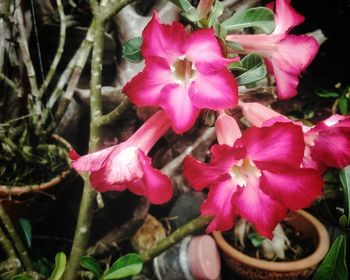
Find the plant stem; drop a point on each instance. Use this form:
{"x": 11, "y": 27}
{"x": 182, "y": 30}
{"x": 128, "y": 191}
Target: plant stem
{"x": 23, "y": 45}
{"x": 11, "y": 84}
{"x": 23, "y": 254}
{"x": 6, "y": 245}
{"x": 59, "y": 50}
{"x": 175, "y": 237}
{"x": 82, "y": 231}
{"x": 115, "y": 114}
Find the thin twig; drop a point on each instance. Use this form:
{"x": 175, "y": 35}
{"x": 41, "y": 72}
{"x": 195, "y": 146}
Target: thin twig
{"x": 6, "y": 245}
{"x": 115, "y": 114}
{"x": 22, "y": 41}
{"x": 175, "y": 237}
{"x": 23, "y": 254}
{"x": 59, "y": 50}
{"x": 171, "y": 167}
{"x": 15, "y": 87}
{"x": 71, "y": 74}
{"x": 114, "y": 7}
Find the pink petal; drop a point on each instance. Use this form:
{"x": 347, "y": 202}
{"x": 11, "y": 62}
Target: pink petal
{"x": 216, "y": 90}
{"x": 93, "y": 161}
{"x": 154, "y": 185}
{"x": 296, "y": 189}
{"x": 227, "y": 130}
{"x": 203, "y": 47}
{"x": 257, "y": 113}
{"x": 98, "y": 182}
{"x": 145, "y": 87}
{"x": 286, "y": 83}
{"x": 201, "y": 175}
{"x": 275, "y": 148}
{"x": 295, "y": 52}
{"x": 332, "y": 147}
{"x": 261, "y": 210}
{"x": 286, "y": 17}
{"x": 178, "y": 106}
{"x": 163, "y": 40}
{"x": 219, "y": 205}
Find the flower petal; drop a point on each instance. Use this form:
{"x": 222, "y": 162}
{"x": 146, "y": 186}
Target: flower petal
{"x": 286, "y": 17}
{"x": 296, "y": 189}
{"x": 145, "y": 87}
{"x": 163, "y": 40}
{"x": 257, "y": 113}
{"x": 201, "y": 175}
{"x": 178, "y": 106}
{"x": 227, "y": 130}
{"x": 216, "y": 90}
{"x": 332, "y": 147}
{"x": 154, "y": 185}
{"x": 98, "y": 182}
{"x": 219, "y": 205}
{"x": 275, "y": 148}
{"x": 203, "y": 47}
{"x": 261, "y": 210}
{"x": 93, "y": 161}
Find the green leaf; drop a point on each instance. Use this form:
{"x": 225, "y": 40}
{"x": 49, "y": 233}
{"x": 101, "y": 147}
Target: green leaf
{"x": 334, "y": 265}
{"x": 21, "y": 277}
{"x": 132, "y": 50}
{"x": 236, "y": 66}
{"x": 256, "y": 69}
{"x": 27, "y": 231}
{"x": 234, "y": 45}
{"x": 343, "y": 105}
{"x": 130, "y": 264}
{"x": 345, "y": 180}
{"x": 256, "y": 239}
{"x": 92, "y": 265}
{"x": 188, "y": 11}
{"x": 60, "y": 266}
{"x": 260, "y": 17}
{"x": 216, "y": 12}
{"x": 327, "y": 94}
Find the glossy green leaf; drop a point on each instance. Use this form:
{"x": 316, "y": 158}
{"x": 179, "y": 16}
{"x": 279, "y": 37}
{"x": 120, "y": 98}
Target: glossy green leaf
{"x": 27, "y": 231}
{"x": 132, "y": 50}
{"x": 128, "y": 265}
{"x": 92, "y": 265}
{"x": 256, "y": 239}
{"x": 343, "y": 105}
{"x": 345, "y": 180}
{"x": 334, "y": 265}
{"x": 260, "y": 17}
{"x": 256, "y": 69}
{"x": 215, "y": 13}
{"x": 60, "y": 266}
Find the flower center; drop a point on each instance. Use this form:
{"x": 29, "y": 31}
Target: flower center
{"x": 184, "y": 71}
{"x": 244, "y": 171}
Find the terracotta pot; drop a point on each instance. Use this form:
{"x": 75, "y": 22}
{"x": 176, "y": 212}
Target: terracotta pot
{"x": 9, "y": 191}
{"x": 252, "y": 268}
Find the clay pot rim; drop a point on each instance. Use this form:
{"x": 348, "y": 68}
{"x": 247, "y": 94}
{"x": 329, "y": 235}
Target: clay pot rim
{"x": 312, "y": 260}
{"x": 19, "y": 190}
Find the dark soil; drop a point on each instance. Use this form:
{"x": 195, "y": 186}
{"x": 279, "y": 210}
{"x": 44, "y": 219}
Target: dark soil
{"x": 300, "y": 247}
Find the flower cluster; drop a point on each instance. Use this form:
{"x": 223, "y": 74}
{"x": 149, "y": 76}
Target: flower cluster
{"x": 274, "y": 166}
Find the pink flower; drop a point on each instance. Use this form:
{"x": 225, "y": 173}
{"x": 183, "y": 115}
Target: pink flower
{"x": 127, "y": 166}
{"x": 258, "y": 177}
{"x": 184, "y": 73}
{"x": 327, "y": 144}
{"x": 286, "y": 55}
